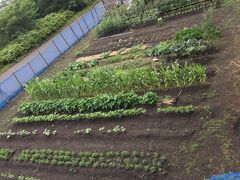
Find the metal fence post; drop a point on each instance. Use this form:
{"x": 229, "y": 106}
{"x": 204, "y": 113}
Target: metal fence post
{"x": 86, "y": 24}
{"x": 35, "y": 75}
{"x": 56, "y": 47}
{"x": 80, "y": 28}
{"x": 64, "y": 39}
{"x": 93, "y": 18}
{"x": 17, "y": 79}
{"x": 43, "y": 58}
{"x": 96, "y": 14}
{"x": 73, "y": 32}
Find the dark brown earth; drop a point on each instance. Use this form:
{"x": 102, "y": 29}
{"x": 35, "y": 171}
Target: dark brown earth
{"x": 197, "y": 146}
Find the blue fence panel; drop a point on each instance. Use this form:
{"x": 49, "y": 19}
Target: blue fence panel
{"x": 100, "y": 10}
{"x": 230, "y": 176}
{"x": 69, "y": 36}
{"x": 3, "y": 103}
{"x": 60, "y": 43}
{"x": 25, "y": 74}
{"x": 89, "y": 20}
{"x": 10, "y": 87}
{"x": 94, "y": 13}
{"x": 77, "y": 30}
{"x": 83, "y": 25}
{"x": 38, "y": 65}
{"x": 51, "y": 53}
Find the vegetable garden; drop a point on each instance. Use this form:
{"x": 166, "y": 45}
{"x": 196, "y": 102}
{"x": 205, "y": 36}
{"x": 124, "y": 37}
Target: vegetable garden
{"x": 129, "y": 113}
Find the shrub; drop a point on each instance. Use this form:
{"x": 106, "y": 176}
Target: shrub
{"x": 25, "y": 42}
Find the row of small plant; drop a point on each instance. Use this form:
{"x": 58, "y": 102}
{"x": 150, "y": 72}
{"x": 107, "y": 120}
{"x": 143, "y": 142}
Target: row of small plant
{"x": 143, "y": 12}
{"x": 142, "y": 161}
{"x": 5, "y": 154}
{"x": 190, "y": 8}
{"x": 24, "y": 133}
{"x": 108, "y": 80}
{"x": 82, "y": 65}
{"x": 176, "y": 109}
{"x": 90, "y": 116}
{"x": 187, "y": 42}
{"x": 103, "y": 102}
{"x": 102, "y": 130}
{"x": 14, "y": 177}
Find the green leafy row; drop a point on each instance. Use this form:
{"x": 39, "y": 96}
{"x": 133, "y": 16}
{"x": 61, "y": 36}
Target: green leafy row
{"x": 97, "y": 115}
{"x": 108, "y": 80}
{"x": 149, "y": 162}
{"x": 5, "y": 154}
{"x": 103, "y": 102}
{"x": 176, "y": 109}
{"x": 186, "y": 42}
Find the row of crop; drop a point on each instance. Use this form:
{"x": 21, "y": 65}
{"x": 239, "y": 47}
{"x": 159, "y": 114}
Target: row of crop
{"x": 190, "y": 8}
{"x": 149, "y": 162}
{"x": 187, "y": 42}
{"x": 23, "y": 133}
{"x": 14, "y": 177}
{"x": 103, "y": 81}
{"x": 5, "y": 154}
{"x": 49, "y": 132}
{"x": 90, "y": 116}
{"x": 103, "y": 115}
{"x": 103, "y": 102}
{"x": 142, "y": 12}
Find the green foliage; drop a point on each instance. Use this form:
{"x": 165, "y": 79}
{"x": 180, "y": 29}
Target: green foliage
{"x": 176, "y": 110}
{"x": 46, "y": 7}
{"x": 25, "y": 42}
{"x": 187, "y": 42}
{"x": 143, "y": 12}
{"x": 81, "y": 65}
{"x": 103, "y": 81}
{"x": 16, "y": 18}
{"x": 5, "y": 154}
{"x": 97, "y": 115}
{"x": 147, "y": 162}
{"x": 102, "y": 102}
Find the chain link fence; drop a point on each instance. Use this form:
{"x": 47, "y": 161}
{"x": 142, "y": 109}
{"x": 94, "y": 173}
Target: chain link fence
{"x": 59, "y": 44}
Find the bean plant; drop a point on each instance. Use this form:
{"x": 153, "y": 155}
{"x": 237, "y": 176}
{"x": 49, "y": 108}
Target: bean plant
{"x": 103, "y": 102}
{"x": 97, "y": 115}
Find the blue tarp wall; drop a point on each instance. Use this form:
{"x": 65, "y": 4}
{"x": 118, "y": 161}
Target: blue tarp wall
{"x": 61, "y": 43}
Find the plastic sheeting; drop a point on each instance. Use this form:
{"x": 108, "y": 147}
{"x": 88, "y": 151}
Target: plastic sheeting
{"x": 59, "y": 44}
{"x": 230, "y": 176}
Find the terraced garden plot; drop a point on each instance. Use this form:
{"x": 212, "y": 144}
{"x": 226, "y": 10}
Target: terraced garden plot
{"x": 187, "y": 125}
